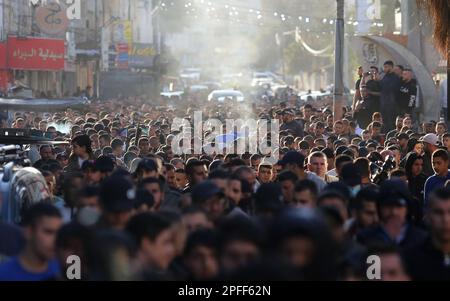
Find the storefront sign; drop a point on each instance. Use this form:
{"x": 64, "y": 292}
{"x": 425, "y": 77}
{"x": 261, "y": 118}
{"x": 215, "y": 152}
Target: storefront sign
{"x": 3, "y": 56}
{"x": 72, "y": 8}
{"x": 52, "y": 19}
{"x": 35, "y": 54}
{"x": 142, "y": 55}
{"x": 122, "y": 59}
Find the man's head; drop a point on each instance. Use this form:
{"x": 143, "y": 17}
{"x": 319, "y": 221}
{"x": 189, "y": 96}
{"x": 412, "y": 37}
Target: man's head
{"x": 265, "y": 173}
{"x": 180, "y": 178}
{"x": 292, "y": 161}
{"x": 305, "y": 194}
{"x": 195, "y": 219}
{"x": 196, "y": 172}
{"x": 398, "y": 70}
{"x": 407, "y": 75}
{"x": 200, "y": 255}
{"x": 144, "y": 145}
{"x": 319, "y": 129}
{"x": 318, "y": 164}
{"x": 287, "y": 180}
{"x": 288, "y": 115}
{"x": 399, "y": 122}
{"x": 307, "y": 111}
{"x": 41, "y": 223}
{"x": 239, "y": 243}
{"x": 233, "y": 189}
{"x": 104, "y": 140}
{"x": 117, "y": 147}
{"x": 376, "y": 128}
{"x": 338, "y": 128}
{"x": 440, "y": 162}
{"x": 392, "y": 265}
{"x": 154, "y": 237}
{"x": 393, "y": 203}
{"x": 388, "y": 67}
{"x": 46, "y": 152}
{"x": 156, "y": 188}
{"x": 430, "y": 142}
{"x": 210, "y": 197}
{"x": 147, "y": 168}
{"x": 438, "y": 215}
{"x": 441, "y": 128}
{"x": 365, "y": 207}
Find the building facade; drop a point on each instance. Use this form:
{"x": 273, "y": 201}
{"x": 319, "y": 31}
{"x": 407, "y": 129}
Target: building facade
{"x": 75, "y": 32}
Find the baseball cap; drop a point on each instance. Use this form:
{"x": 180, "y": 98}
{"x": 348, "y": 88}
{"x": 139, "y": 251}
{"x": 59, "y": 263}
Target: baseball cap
{"x": 430, "y": 139}
{"x": 292, "y": 157}
{"x": 117, "y": 194}
{"x": 204, "y": 191}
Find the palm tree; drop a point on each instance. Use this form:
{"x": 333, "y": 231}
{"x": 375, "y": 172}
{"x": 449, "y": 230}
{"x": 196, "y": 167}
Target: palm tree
{"x": 439, "y": 11}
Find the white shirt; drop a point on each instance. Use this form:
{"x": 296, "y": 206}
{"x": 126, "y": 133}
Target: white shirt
{"x": 332, "y": 173}
{"x": 80, "y": 162}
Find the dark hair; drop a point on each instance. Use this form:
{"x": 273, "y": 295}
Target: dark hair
{"x": 83, "y": 141}
{"x": 238, "y": 229}
{"x": 307, "y": 185}
{"x": 389, "y": 63}
{"x": 440, "y": 153}
{"x": 116, "y": 143}
{"x": 191, "y": 164}
{"x": 442, "y": 194}
{"x": 146, "y": 225}
{"x": 33, "y": 214}
{"x": 398, "y": 173}
{"x": 151, "y": 181}
{"x": 287, "y": 176}
{"x": 363, "y": 164}
{"x": 367, "y": 194}
{"x": 218, "y": 174}
{"x": 204, "y": 238}
{"x": 341, "y": 159}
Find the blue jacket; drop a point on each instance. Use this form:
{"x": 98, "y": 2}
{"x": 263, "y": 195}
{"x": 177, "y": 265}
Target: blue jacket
{"x": 433, "y": 183}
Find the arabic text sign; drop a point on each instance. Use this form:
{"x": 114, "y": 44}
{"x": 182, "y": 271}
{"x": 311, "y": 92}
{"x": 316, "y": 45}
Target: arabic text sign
{"x": 36, "y": 54}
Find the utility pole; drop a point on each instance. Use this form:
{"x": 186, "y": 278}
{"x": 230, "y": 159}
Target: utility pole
{"x": 339, "y": 63}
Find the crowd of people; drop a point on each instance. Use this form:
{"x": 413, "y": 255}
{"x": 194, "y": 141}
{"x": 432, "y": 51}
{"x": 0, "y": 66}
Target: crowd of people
{"x": 131, "y": 208}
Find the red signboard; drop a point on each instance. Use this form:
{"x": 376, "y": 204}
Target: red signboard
{"x": 35, "y": 54}
{"x": 2, "y": 55}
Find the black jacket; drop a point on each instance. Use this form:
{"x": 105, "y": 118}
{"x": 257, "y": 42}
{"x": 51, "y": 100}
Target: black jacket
{"x": 377, "y": 234}
{"x": 426, "y": 263}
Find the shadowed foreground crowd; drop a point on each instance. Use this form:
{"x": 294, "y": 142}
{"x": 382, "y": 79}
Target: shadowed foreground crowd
{"x": 131, "y": 209}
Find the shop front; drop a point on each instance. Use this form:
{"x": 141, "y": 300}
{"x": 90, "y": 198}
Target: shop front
{"x": 35, "y": 62}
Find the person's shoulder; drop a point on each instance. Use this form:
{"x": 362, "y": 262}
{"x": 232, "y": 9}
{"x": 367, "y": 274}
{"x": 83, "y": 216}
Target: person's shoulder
{"x": 8, "y": 268}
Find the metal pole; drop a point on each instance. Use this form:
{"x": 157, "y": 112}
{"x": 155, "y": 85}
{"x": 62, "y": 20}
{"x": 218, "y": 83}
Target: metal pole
{"x": 339, "y": 63}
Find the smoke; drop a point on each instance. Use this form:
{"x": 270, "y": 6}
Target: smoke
{"x": 62, "y": 127}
